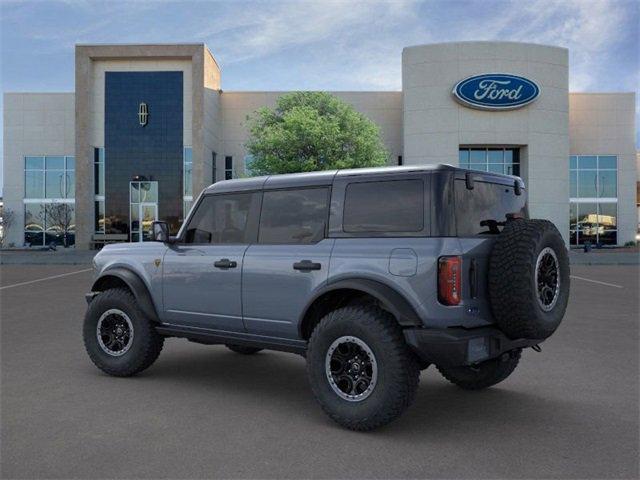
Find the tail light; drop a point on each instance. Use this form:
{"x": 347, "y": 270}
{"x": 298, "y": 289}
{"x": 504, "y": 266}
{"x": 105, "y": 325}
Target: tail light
{"x": 449, "y": 280}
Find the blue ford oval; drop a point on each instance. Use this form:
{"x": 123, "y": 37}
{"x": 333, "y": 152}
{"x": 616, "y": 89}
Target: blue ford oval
{"x": 496, "y": 91}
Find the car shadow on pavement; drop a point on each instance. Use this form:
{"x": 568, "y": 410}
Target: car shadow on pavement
{"x": 439, "y": 406}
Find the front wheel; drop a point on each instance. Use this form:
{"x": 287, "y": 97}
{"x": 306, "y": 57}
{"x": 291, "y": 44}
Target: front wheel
{"x": 118, "y": 337}
{"x": 483, "y": 375}
{"x": 360, "y": 369}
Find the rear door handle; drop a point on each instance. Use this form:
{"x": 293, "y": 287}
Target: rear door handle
{"x": 306, "y": 265}
{"x": 225, "y": 263}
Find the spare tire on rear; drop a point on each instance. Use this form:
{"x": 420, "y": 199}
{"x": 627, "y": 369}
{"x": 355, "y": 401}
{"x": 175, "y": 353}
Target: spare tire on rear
{"x": 529, "y": 279}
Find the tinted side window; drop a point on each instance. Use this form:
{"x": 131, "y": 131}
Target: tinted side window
{"x": 477, "y": 210}
{"x": 294, "y": 216}
{"x": 221, "y": 219}
{"x": 388, "y": 206}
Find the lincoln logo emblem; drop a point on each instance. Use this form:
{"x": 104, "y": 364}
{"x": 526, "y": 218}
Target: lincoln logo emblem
{"x": 143, "y": 114}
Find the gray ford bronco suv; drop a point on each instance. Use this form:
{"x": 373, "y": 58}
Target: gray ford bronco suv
{"x": 371, "y": 274}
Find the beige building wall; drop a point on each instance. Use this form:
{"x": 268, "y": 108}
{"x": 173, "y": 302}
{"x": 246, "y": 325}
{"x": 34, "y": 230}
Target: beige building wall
{"x": 383, "y": 108}
{"x": 436, "y": 125}
{"x": 206, "y": 138}
{"x": 604, "y": 124}
{"x": 34, "y": 124}
{"x": 212, "y": 139}
{"x": 200, "y": 71}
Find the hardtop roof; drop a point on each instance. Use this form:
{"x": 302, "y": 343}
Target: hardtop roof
{"x": 326, "y": 177}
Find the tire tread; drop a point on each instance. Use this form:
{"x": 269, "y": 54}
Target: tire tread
{"x": 405, "y": 370}
{"x": 152, "y": 342}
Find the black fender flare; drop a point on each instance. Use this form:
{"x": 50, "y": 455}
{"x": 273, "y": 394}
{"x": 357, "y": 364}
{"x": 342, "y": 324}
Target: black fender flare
{"x": 393, "y": 301}
{"x": 135, "y": 284}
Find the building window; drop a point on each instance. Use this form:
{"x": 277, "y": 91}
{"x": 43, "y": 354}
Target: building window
{"x": 49, "y": 199}
{"x": 248, "y": 160}
{"x": 187, "y": 184}
{"x": 593, "y": 187}
{"x": 186, "y": 208}
{"x": 187, "y": 158}
{"x": 496, "y": 160}
{"x": 50, "y": 177}
{"x": 228, "y": 167}
{"x": 98, "y": 188}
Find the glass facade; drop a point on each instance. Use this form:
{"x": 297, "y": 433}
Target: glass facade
{"x": 49, "y": 200}
{"x": 143, "y": 209}
{"x": 149, "y": 150}
{"x": 593, "y": 187}
{"x": 98, "y": 182}
{"x": 187, "y": 187}
{"x": 497, "y": 160}
{"x": 188, "y": 172}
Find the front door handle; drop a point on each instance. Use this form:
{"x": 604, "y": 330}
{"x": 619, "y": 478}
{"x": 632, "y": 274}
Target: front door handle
{"x": 225, "y": 263}
{"x": 306, "y": 265}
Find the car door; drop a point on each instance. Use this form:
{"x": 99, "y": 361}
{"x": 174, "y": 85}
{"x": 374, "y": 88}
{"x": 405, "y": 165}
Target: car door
{"x": 290, "y": 260}
{"x": 202, "y": 272}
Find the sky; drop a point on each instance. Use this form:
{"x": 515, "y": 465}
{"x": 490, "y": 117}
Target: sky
{"x": 321, "y": 45}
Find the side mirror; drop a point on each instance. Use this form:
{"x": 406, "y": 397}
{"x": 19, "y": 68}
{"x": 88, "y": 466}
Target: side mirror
{"x": 160, "y": 232}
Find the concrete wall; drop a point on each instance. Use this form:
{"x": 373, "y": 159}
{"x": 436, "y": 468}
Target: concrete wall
{"x": 384, "y": 108}
{"x": 604, "y": 124}
{"x": 212, "y": 125}
{"x": 34, "y": 124}
{"x": 435, "y": 125}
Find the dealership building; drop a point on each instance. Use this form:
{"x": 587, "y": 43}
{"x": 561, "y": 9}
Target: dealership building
{"x": 148, "y": 127}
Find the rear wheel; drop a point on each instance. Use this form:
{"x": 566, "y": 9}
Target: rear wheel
{"x": 483, "y": 375}
{"x": 360, "y": 369}
{"x": 118, "y": 337}
{"x": 244, "y": 350}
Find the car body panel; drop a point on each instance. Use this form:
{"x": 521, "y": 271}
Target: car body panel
{"x": 142, "y": 258}
{"x": 264, "y": 298}
{"x": 196, "y": 293}
{"x": 273, "y": 293}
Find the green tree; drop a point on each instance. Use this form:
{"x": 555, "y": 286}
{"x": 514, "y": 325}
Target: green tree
{"x": 310, "y": 131}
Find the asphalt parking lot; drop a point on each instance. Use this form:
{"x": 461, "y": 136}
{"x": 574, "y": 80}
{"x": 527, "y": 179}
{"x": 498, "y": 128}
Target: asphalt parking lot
{"x": 201, "y": 411}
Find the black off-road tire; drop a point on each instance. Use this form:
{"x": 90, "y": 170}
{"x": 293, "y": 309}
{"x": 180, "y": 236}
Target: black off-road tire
{"x": 513, "y": 292}
{"x": 483, "y": 375}
{"x": 244, "y": 350}
{"x": 398, "y": 369}
{"x": 146, "y": 344}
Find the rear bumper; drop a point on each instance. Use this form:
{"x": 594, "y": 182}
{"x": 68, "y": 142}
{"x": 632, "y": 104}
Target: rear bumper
{"x": 452, "y": 347}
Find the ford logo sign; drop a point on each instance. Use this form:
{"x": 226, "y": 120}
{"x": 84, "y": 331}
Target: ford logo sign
{"x": 496, "y": 91}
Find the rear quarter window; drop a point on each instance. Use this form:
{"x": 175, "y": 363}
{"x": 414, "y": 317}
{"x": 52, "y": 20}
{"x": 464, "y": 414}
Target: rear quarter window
{"x": 481, "y": 210}
{"x": 384, "y": 206}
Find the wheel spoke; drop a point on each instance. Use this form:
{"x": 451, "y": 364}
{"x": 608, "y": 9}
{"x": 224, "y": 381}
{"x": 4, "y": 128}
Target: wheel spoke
{"x": 351, "y": 368}
{"x": 547, "y": 278}
{"x": 114, "y": 332}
